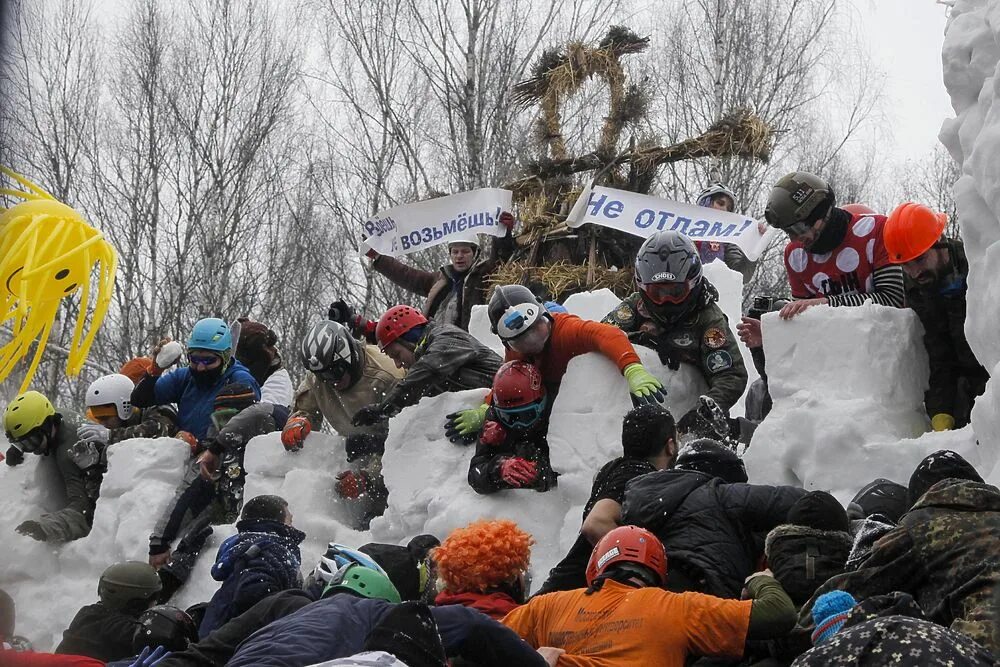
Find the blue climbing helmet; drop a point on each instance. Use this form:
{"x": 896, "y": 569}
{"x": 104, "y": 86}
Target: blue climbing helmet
{"x": 213, "y": 334}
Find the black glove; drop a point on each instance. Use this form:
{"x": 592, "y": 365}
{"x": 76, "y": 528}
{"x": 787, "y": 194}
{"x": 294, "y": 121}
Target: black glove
{"x": 664, "y": 352}
{"x": 341, "y": 312}
{"x": 364, "y": 444}
{"x": 32, "y": 529}
{"x": 706, "y": 420}
{"x": 368, "y": 415}
{"x": 14, "y": 456}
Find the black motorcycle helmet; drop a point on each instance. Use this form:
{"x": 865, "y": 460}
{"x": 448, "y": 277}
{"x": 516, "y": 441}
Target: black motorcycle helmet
{"x": 164, "y": 625}
{"x": 668, "y": 275}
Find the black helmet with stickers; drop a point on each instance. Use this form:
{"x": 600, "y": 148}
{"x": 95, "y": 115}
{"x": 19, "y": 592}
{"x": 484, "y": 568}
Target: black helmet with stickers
{"x": 797, "y": 201}
{"x": 513, "y": 309}
{"x": 668, "y": 274}
{"x": 331, "y": 352}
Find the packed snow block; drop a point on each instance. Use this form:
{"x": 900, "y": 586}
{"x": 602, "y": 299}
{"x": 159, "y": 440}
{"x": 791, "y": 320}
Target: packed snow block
{"x": 592, "y": 305}
{"x": 848, "y": 387}
{"x": 306, "y": 479}
{"x": 427, "y": 476}
{"x": 479, "y": 326}
{"x": 141, "y": 479}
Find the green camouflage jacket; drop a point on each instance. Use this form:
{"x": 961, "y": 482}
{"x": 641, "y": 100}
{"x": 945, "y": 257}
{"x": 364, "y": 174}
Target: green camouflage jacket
{"x": 702, "y": 339}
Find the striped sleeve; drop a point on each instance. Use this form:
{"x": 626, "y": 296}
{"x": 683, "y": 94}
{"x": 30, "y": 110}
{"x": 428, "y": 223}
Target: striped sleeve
{"x": 888, "y": 289}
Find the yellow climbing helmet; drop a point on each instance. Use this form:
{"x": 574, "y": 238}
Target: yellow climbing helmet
{"x": 26, "y": 413}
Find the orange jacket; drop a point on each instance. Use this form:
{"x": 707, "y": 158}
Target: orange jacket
{"x": 570, "y": 337}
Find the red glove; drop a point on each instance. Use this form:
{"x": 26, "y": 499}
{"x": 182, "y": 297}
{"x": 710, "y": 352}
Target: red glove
{"x": 293, "y": 436}
{"x": 189, "y": 439}
{"x": 371, "y": 254}
{"x": 351, "y": 484}
{"x": 492, "y": 434}
{"x": 507, "y": 220}
{"x": 518, "y": 472}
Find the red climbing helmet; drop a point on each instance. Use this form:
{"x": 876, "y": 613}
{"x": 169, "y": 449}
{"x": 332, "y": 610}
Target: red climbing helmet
{"x": 628, "y": 544}
{"x": 517, "y": 383}
{"x": 395, "y": 322}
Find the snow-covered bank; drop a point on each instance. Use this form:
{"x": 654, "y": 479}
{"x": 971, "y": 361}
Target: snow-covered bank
{"x": 970, "y": 58}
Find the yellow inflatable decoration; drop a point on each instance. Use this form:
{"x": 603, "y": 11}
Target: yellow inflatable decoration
{"x": 48, "y": 252}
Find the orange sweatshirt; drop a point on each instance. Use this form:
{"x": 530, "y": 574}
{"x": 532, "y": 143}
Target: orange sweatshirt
{"x": 570, "y": 337}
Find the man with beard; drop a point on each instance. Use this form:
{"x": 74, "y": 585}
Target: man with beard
{"x": 833, "y": 257}
{"x": 937, "y": 272}
{"x": 211, "y": 366}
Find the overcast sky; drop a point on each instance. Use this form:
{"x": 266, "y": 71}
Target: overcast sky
{"x": 905, "y": 38}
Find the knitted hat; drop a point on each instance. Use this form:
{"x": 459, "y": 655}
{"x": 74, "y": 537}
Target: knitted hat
{"x": 135, "y": 369}
{"x": 269, "y": 508}
{"x": 882, "y": 496}
{"x": 482, "y": 555}
{"x": 942, "y": 464}
{"x": 829, "y": 614}
{"x": 646, "y": 429}
{"x": 819, "y": 510}
{"x": 410, "y": 633}
{"x": 235, "y": 395}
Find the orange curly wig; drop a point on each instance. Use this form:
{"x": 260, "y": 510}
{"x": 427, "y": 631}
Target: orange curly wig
{"x": 482, "y": 555}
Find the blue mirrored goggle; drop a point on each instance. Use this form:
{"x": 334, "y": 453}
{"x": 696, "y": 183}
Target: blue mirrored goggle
{"x": 522, "y": 416}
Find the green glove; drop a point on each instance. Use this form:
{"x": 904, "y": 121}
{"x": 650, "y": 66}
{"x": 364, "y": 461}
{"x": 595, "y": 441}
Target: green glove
{"x": 643, "y": 387}
{"x": 466, "y": 422}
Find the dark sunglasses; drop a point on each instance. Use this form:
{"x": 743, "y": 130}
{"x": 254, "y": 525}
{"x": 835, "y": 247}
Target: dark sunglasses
{"x": 203, "y": 359}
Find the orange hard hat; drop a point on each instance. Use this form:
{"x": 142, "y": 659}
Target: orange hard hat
{"x": 395, "y": 322}
{"x": 858, "y": 209}
{"x": 911, "y": 230}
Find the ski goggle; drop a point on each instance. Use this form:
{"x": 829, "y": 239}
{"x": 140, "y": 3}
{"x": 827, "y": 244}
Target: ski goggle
{"x": 30, "y": 443}
{"x": 660, "y": 293}
{"x": 798, "y": 229}
{"x": 523, "y": 416}
{"x": 96, "y": 413}
{"x": 203, "y": 359}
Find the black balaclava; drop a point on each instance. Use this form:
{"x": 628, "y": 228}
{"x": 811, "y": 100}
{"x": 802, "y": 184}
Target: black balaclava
{"x": 833, "y": 232}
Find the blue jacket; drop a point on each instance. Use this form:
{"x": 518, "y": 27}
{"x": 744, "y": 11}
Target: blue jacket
{"x": 263, "y": 558}
{"x": 338, "y": 626}
{"x": 194, "y": 404}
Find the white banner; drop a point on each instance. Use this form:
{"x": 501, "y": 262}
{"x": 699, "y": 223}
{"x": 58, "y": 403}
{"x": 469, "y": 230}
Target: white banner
{"x": 411, "y": 227}
{"x": 641, "y": 215}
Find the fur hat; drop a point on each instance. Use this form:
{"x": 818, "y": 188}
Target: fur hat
{"x": 257, "y": 342}
{"x": 482, "y": 555}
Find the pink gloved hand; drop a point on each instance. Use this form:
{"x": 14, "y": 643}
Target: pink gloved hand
{"x": 493, "y": 434}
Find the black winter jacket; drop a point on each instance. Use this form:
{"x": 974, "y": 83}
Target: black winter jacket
{"x": 707, "y": 526}
{"x": 99, "y": 632}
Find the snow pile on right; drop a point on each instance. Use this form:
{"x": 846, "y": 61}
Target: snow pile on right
{"x": 970, "y": 57}
{"x": 848, "y": 386}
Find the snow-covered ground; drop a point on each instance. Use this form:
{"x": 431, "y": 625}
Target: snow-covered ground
{"x": 847, "y": 386}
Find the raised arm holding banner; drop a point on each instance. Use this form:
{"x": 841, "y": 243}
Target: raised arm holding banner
{"x": 641, "y": 215}
{"x": 408, "y": 228}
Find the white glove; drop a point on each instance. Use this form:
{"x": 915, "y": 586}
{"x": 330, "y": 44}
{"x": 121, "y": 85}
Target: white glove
{"x": 93, "y": 433}
{"x": 169, "y": 354}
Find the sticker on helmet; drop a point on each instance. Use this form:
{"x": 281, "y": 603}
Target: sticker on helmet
{"x": 718, "y": 361}
{"x": 611, "y": 553}
{"x": 661, "y": 276}
{"x": 715, "y": 338}
{"x": 801, "y": 194}
{"x": 624, "y": 314}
